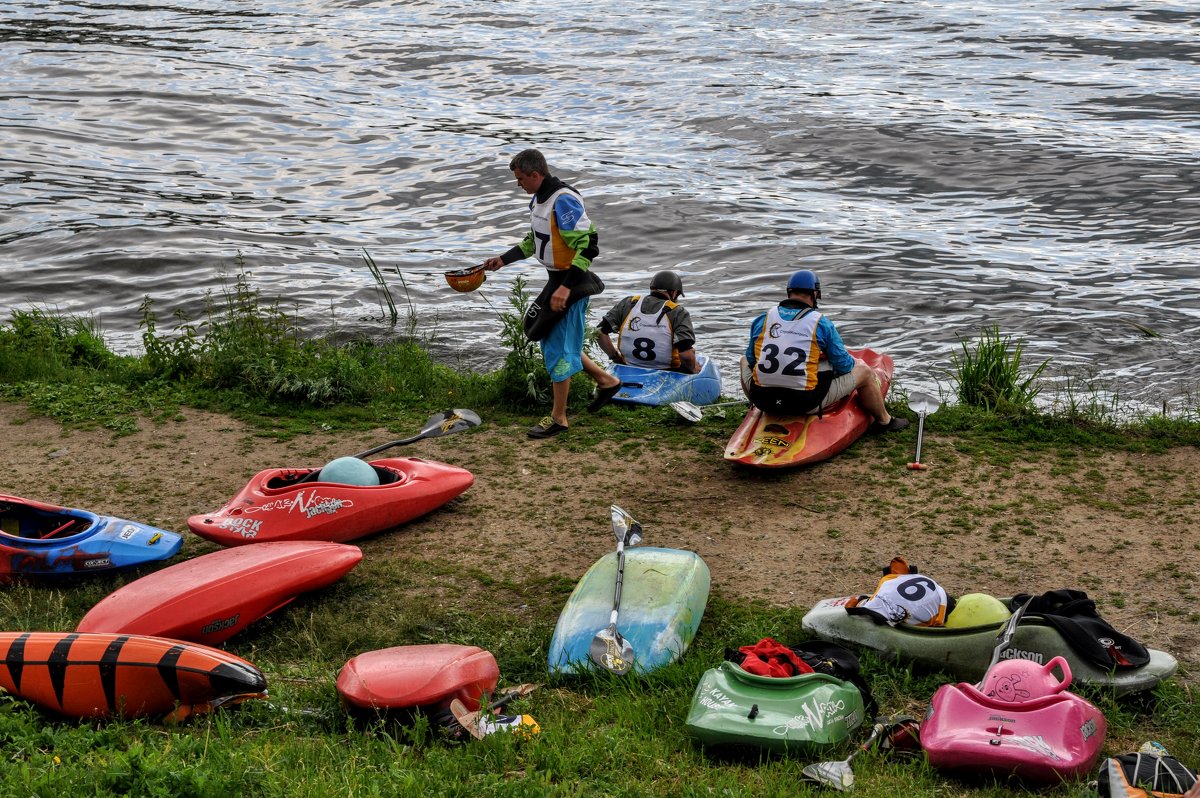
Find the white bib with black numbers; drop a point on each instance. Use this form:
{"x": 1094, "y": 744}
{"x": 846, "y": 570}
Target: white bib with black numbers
{"x": 647, "y": 339}
{"x": 909, "y": 599}
{"x": 787, "y": 354}
{"x": 548, "y": 245}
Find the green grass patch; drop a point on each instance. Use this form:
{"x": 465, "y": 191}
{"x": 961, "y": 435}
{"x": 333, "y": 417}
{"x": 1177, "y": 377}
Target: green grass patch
{"x": 600, "y": 734}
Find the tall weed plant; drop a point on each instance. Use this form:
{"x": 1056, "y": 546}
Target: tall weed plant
{"x": 523, "y": 379}
{"x": 988, "y": 375}
{"x": 255, "y": 348}
{"x": 38, "y": 344}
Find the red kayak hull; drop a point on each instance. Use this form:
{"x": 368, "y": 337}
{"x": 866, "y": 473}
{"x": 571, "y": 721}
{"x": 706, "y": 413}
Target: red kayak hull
{"x": 277, "y": 504}
{"x": 102, "y": 675}
{"x": 418, "y": 677}
{"x": 765, "y": 441}
{"x": 210, "y": 598}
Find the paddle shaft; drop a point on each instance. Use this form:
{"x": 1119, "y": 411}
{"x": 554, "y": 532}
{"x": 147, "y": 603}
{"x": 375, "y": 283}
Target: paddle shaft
{"x": 920, "y": 436}
{"x": 419, "y": 436}
{"x": 922, "y": 404}
{"x": 445, "y": 423}
{"x": 612, "y": 621}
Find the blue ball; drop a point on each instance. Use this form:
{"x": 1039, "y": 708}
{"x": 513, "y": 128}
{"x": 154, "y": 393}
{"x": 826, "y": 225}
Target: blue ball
{"x": 350, "y": 471}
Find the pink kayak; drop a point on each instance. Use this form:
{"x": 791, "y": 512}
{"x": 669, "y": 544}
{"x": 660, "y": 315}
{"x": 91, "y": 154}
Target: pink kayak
{"x": 1022, "y": 722}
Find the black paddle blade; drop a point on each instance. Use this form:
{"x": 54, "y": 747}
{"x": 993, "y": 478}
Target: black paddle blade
{"x": 611, "y": 651}
{"x": 446, "y": 422}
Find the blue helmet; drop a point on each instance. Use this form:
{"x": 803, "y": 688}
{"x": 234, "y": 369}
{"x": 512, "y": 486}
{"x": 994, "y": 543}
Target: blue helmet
{"x": 805, "y": 280}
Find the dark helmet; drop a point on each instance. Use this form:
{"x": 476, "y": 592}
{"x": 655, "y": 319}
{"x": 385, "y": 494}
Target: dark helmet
{"x": 805, "y": 280}
{"x": 667, "y": 281}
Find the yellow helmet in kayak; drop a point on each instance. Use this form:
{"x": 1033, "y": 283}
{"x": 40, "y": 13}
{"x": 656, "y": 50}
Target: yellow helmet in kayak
{"x": 977, "y": 609}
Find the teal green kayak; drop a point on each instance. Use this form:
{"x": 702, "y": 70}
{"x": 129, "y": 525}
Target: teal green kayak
{"x": 791, "y": 714}
{"x": 966, "y": 652}
{"x": 663, "y": 598}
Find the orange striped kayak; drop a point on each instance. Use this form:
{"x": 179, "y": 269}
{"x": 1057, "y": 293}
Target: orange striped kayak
{"x": 103, "y": 675}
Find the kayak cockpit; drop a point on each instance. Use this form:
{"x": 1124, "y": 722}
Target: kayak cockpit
{"x": 29, "y": 523}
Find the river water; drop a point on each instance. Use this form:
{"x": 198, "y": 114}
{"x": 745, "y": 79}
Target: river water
{"x": 944, "y": 167}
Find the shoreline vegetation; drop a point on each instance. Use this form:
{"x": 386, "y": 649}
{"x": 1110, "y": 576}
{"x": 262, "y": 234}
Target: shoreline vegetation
{"x": 600, "y": 734}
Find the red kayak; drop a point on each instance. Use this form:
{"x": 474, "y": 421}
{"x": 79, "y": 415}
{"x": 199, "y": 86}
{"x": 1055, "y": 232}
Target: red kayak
{"x": 768, "y": 441}
{"x": 420, "y": 678}
{"x": 210, "y": 598}
{"x": 293, "y": 504}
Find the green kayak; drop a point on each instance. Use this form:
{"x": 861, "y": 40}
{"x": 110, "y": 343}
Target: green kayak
{"x": 792, "y": 714}
{"x": 966, "y": 652}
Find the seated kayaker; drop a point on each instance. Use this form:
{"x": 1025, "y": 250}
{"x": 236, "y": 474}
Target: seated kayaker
{"x": 653, "y": 331}
{"x": 796, "y": 363}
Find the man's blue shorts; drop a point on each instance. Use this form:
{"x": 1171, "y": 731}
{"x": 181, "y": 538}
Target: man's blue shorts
{"x": 562, "y": 349}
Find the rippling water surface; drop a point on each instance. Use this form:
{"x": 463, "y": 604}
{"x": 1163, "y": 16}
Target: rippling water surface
{"x": 944, "y": 167}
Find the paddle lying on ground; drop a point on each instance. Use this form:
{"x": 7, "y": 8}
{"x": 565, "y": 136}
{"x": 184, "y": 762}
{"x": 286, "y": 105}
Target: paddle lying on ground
{"x": 838, "y": 775}
{"x": 1004, "y": 638}
{"x": 446, "y": 422}
{"x": 470, "y": 720}
{"x": 609, "y": 649}
{"x": 921, "y": 404}
{"x": 693, "y": 412}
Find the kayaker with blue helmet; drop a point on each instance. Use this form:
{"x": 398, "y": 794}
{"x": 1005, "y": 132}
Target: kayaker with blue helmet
{"x": 564, "y": 240}
{"x": 796, "y": 363}
{"x": 653, "y": 331}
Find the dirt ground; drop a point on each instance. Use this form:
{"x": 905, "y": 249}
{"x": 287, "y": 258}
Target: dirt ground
{"x": 1122, "y": 527}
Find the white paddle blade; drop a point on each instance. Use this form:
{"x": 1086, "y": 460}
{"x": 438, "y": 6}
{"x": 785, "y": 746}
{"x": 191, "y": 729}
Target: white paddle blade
{"x": 611, "y": 651}
{"x": 688, "y": 411}
{"x": 837, "y": 775}
{"x": 625, "y": 528}
{"x": 455, "y": 420}
{"x": 923, "y": 403}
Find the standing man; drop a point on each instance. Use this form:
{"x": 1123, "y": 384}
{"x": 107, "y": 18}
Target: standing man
{"x": 564, "y": 240}
{"x": 653, "y": 332}
{"x": 796, "y": 363}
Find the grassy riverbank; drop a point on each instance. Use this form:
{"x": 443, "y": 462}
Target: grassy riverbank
{"x": 450, "y": 577}
{"x": 600, "y": 735}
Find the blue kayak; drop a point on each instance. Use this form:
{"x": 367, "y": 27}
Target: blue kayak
{"x": 660, "y": 387}
{"x": 38, "y": 538}
{"x": 663, "y": 598}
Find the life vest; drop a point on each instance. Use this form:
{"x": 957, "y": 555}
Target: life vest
{"x": 548, "y": 245}
{"x": 648, "y": 339}
{"x": 903, "y": 596}
{"x": 786, "y": 353}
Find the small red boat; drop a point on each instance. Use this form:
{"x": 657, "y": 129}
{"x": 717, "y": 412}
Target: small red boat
{"x": 766, "y": 441}
{"x": 419, "y": 678}
{"x": 294, "y": 504}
